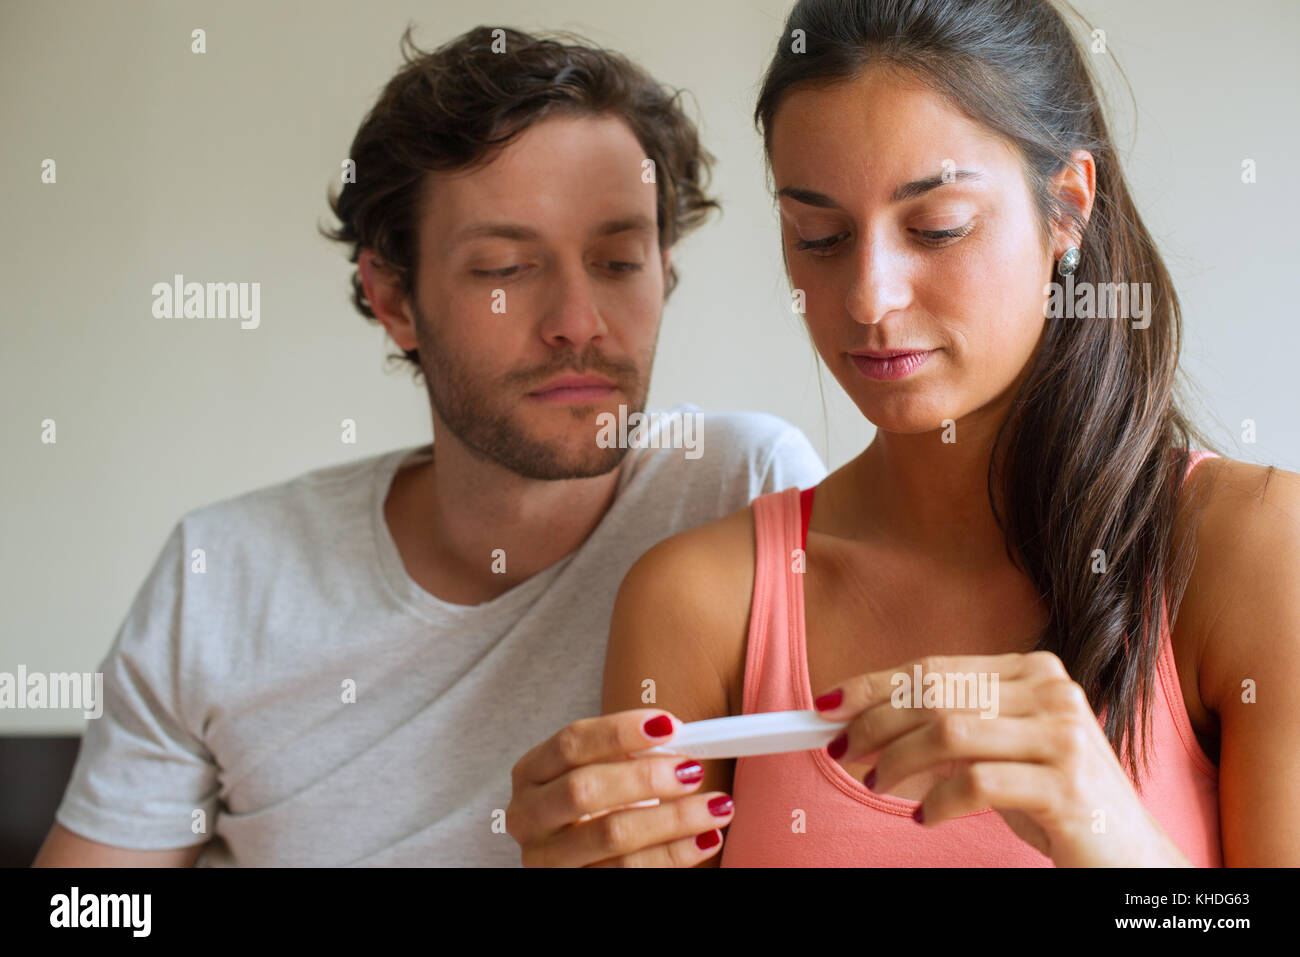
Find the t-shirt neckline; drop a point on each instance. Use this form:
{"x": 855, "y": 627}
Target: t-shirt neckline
{"x": 399, "y": 581}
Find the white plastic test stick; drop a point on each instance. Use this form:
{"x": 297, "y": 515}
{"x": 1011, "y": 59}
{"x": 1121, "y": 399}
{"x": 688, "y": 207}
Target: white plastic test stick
{"x": 745, "y": 735}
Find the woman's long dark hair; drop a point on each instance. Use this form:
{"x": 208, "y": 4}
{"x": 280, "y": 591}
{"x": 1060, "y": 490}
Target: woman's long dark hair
{"x": 1093, "y": 451}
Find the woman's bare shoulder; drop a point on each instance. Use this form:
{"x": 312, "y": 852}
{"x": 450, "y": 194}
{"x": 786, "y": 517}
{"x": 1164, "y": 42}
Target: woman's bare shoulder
{"x": 707, "y": 571}
{"x": 682, "y": 613}
{"x": 1245, "y": 587}
{"x": 1247, "y": 540}
{"x": 1235, "y": 508}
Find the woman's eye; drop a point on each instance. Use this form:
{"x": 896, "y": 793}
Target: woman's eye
{"x": 622, "y": 267}
{"x": 814, "y": 244}
{"x": 943, "y": 237}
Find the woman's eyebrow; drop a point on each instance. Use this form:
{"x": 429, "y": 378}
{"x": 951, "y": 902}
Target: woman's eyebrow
{"x": 919, "y": 187}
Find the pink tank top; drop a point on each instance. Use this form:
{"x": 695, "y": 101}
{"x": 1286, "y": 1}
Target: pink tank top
{"x": 843, "y": 824}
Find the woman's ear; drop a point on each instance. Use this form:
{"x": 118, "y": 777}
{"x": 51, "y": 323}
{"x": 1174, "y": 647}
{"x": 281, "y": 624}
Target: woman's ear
{"x": 1076, "y": 188}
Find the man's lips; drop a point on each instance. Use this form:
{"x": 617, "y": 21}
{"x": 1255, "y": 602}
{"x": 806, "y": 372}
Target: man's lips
{"x": 574, "y": 387}
{"x": 575, "y": 382}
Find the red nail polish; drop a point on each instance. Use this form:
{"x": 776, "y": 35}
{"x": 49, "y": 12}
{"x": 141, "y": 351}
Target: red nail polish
{"x": 721, "y": 806}
{"x": 837, "y": 747}
{"x": 690, "y": 772}
{"x": 918, "y": 815}
{"x": 659, "y": 727}
{"x": 870, "y": 780}
{"x": 830, "y": 700}
{"x": 707, "y": 840}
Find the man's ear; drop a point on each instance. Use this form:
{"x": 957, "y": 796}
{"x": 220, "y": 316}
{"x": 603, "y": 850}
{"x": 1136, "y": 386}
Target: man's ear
{"x": 383, "y": 289}
{"x": 1076, "y": 189}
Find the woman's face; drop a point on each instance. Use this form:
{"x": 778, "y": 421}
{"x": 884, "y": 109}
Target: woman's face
{"x": 908, "y": 227}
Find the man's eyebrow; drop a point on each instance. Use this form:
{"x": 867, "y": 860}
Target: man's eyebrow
{"x": 626, "y": 224}
{"x": 501, "y": 230}
{"x": 910, "y": 190}
{"x": 517, "y": 231}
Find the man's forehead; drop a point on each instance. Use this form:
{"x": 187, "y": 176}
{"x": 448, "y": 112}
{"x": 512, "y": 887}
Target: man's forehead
{"x": 530, "y": 228}
{"x": 601, "y": 144}
{"x": 573, "y": 168}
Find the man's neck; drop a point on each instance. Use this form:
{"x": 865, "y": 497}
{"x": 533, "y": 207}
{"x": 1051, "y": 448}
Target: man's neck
{"x": 469, "y": 531}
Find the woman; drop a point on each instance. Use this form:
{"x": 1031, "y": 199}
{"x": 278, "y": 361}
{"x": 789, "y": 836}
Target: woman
{"x": 1029, "y": 495}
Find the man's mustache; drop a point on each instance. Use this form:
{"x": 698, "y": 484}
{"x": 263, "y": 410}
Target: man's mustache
{"x": 592, "y": 363}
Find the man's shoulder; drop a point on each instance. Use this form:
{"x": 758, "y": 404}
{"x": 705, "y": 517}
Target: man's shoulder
{"x": 692, "y": 466}
{"x": 313, "y": 500}
{"x": 731, "y": 437}
{"x": 747, "y": 427}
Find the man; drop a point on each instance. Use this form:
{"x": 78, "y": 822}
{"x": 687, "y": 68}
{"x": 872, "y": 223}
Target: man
{"x": 351, "y": 670}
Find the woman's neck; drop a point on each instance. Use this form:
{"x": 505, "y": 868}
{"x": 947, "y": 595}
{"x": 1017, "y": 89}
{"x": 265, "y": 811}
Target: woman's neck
{"x": 917, "y": 491}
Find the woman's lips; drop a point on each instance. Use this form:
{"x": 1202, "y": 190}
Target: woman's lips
{"x": 895, "y": 367}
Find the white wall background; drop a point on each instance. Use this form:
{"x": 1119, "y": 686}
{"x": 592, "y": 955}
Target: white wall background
{"x": 216, "y": 166}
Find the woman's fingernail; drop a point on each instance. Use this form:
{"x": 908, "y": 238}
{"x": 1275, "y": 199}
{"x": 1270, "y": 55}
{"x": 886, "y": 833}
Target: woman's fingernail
{"x": 918, "y": 815}
{"x": 870, "y": 780}
{"x": 658, "y": 727}
{"x": 721, "y": 806}
{"x": 830, "y": 700}
{"x": 690, "y": 772}
{"x": 837, "y": 747}
{"x": 707, "y": 840}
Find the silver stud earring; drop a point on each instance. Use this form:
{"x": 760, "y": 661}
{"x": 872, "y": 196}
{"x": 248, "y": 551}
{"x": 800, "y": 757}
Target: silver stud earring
{"x": 1069, "y": 261}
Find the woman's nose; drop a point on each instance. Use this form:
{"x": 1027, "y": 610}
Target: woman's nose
{"x": 881, "y": 283}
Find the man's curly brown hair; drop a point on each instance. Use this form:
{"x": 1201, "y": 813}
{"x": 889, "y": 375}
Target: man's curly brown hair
{"x": 455, "y": 107}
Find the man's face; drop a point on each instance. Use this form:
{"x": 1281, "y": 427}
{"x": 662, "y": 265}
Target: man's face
{"x": 540, "y": 267}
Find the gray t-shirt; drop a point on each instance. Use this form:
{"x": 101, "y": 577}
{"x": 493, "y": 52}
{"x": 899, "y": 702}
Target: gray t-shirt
{"x": 227, "y": 711}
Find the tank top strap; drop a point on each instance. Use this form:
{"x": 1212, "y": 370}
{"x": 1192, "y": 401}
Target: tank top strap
{"x": 805, "y": 514}
{"x": 776, "y": 610}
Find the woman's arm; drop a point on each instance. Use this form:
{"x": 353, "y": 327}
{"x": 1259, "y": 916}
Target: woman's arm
{"x": 678, "y": 634}
{"x": 1248, "y": 571}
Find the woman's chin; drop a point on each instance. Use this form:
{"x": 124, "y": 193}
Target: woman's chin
{"x": 904, "y": 421}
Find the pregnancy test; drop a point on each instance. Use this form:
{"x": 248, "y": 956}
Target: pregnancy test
{"x": 745, "y": 735}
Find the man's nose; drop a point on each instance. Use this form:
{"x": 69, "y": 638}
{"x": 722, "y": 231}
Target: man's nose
{"x": 572, "y": 313}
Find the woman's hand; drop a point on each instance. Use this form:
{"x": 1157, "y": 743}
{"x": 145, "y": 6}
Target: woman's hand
{"x": 1033, "y": 750}
{"x": 582, "y": 800}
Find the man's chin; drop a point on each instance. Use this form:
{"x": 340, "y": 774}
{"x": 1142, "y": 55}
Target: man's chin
{"x": 577, "y": 451}
{"x": 548, "y": 463}
{"x": 566, "y": 444}
{"x": 574, "y": 427}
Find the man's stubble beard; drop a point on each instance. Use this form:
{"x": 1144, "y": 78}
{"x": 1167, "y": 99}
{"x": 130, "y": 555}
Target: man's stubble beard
{"x": 473, "y": 410}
